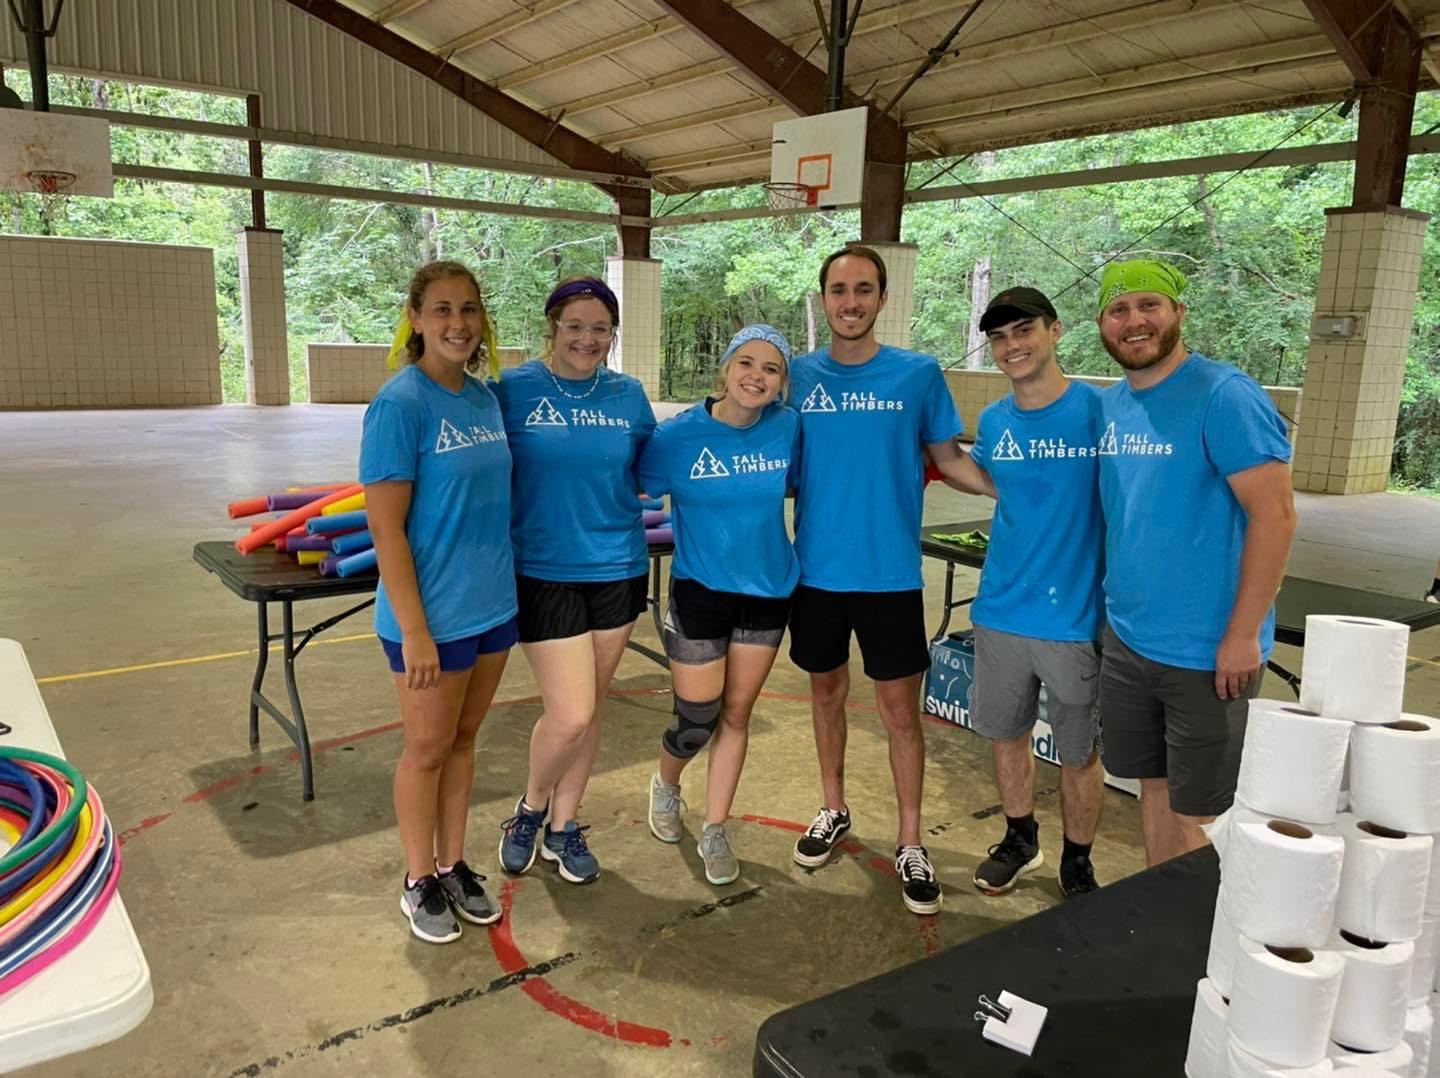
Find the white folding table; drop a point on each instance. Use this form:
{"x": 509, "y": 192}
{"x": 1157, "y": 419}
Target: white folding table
{"x": 97, "y": 992}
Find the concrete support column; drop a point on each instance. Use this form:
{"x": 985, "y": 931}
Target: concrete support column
{"x": 1364, "y": 314}
{"x": 636, "y": 284}
{"x": 894, "y": 324}
{"x": 262, "y": 304}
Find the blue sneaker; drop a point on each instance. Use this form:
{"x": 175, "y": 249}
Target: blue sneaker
{"x": 571, "y": 855}
{"x": 517, "y": 848}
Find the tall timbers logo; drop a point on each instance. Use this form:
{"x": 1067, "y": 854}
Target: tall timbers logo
{"x": 452, "y": 437}
{"x": 1007, "y": 448}
{"x": 708, "y": 466}
{"x": 1132, "y": 445}
{"x": 818, "y": 400}
{"x": 545, "y": 415}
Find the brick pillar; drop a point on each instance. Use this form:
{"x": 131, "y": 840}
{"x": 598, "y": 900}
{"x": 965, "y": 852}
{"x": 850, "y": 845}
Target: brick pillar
{"x": 262, "y": 304}
{"x": 894, "y": 324}
{"x": 1369, "y": 273}
{"x": 636, "y": 284}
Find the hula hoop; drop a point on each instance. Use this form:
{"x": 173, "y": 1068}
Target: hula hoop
{"x": 22, "y": 853}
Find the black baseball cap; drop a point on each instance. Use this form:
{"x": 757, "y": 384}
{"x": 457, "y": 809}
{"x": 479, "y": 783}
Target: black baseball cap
{"x": 1015, "y": 304}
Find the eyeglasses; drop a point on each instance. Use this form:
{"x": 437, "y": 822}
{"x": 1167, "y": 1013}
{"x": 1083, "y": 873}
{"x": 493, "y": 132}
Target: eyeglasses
{"x": 579, "y": 329}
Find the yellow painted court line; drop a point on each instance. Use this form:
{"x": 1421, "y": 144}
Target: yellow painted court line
{"x": 56, "y": 678}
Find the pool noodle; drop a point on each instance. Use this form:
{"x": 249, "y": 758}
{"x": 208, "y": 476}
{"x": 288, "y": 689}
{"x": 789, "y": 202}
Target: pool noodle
{"x": 660, "y": 535}
{"x": 310, "y": 557}
{"x": 356, "y": 563}
{"x": 651, "y": 503}
{"x": 247, "y": 507}
{"x": 296, "y": 543}
{"x": 653, "y": 518}
{"x": 327, "y": 565}
{"x": 287, "y": 501}
{"x": 352, "y": 501}
{"x": 276, "y": 528}
{"x": 351, "y": 542}
{"x": 340, "y": 522}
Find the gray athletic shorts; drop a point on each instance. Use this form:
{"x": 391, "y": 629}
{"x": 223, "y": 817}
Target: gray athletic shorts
{"x": 1005, "y": 694}
{"x": 701, "y": 623}
{"x": 1165, "y": 722}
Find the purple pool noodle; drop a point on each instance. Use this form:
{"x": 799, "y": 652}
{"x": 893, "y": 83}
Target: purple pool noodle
{"x": 293, "y": 499}
{"x": 337, "y": 522}
{"x": 356, "y": 563}
{"x": 307, "y": 542}
{"x": 660, "y": 535}
{"x": 327, "y": 565}
{"x": 653, "y": 518}
{"x": 651, "y": 503}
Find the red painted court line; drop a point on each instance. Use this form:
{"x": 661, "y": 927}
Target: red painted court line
{"x": 502, "y": 942}
{"x": 223, "y": 785}
{"x": 143, "y": 825}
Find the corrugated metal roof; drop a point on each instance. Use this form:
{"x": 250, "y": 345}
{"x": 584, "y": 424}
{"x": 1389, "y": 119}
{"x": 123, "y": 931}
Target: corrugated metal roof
{"x": 312, "y": 79}
{"x": 627, "y": 75}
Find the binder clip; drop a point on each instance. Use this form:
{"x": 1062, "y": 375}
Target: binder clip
{"x": 1012, "y": 1022}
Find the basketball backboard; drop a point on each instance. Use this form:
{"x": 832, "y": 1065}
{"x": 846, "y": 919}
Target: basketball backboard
{"x": 824, "y": 152}
{"x": 39, "y": 150}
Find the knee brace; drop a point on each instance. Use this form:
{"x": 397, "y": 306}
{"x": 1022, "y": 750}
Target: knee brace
{"x": 693, "y": 726}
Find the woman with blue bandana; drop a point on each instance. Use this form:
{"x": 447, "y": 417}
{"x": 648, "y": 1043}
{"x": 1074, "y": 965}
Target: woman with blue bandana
{"x": 576, "y": 429}
{"x": 727, "y": 465}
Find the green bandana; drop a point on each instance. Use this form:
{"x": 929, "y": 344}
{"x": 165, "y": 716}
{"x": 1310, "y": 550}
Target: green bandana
{"x": 1140, "y": 275}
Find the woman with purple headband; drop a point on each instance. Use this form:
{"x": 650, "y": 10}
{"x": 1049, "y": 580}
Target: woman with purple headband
{"x": 576, "y": 429}
{"x": 727, "y": 465}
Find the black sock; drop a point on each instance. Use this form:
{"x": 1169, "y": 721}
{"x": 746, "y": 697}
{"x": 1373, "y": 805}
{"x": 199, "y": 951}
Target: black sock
{"x": 1435, "y": 587}
{"x": 1075, "y": 849}
{"x": 1026, "y": 825}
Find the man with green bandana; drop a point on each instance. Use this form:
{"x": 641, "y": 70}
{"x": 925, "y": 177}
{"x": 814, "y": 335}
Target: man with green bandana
{"x": 1195, "y": 486}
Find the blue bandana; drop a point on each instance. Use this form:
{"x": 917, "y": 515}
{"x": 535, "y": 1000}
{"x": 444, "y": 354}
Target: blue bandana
{"x": 758, "y": 332}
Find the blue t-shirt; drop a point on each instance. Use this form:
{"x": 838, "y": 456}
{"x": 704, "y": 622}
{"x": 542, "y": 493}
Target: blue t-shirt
{"x": 1045, "y": 563}
{"x": 858, "y": 506}
{"x": 1174, "y": 530}
{"x": 577, "y": 501}
{"x": 727, "y": 498}
{"x": 451, "y": 448}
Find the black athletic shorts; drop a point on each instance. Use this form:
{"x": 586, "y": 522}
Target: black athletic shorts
{"x": 702, "y": 622}
{"x": 889, "y": 625}
{"x": 555, "y": 610}
{"x": 1165, "y": 722}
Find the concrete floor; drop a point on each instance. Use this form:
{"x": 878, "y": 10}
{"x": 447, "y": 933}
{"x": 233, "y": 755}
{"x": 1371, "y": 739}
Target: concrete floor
{"x": 271, "y": 926}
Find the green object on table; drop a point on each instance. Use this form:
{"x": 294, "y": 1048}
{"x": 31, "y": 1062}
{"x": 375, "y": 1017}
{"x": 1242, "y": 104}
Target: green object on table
{"x": 975, "y": 539}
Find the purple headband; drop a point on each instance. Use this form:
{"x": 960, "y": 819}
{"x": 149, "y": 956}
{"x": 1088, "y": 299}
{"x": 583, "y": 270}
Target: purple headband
{"x": 589, "y": 286}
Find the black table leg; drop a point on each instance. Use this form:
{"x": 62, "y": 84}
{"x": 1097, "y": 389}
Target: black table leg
{"x": 255, "y": 694}
{"x": 949, "y": 601}
{"x": 653, "y": 601}
{"x": 300, "y": 734}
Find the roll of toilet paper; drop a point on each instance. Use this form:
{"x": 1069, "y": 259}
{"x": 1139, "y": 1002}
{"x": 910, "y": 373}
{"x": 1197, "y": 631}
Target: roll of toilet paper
{"x": 1397, "y": 1059}
{"x": 1353, "y": 668}
{"x": 1292, "y": 762}
{"x": 1419, "y": 1029}
{"x": 1205, "y": 1057}
{"x": 1395, "y": 774}
{"x": 1224, "y": 939}
{"x": 1281, "y": 879}
{"x": 1370, "y": 1013}
{"x": 1283, "y": 1004}
{"x": 1243, "y": 1064}
{"x": 1369, "y": 1072}
{"x": 1427, "y": 955}
{"x": 1432, "y": 888}
{"x": 1383, "y": 881}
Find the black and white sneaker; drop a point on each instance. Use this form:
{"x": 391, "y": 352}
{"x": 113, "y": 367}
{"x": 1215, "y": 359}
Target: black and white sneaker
{"x": 814, "y": 847}
{"x": 919, "y": 887}
{"x": 1010, "y": 858}
{"x": 1077, "y": 877}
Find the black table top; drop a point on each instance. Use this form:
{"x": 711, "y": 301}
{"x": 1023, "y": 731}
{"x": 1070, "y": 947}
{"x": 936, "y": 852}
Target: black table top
{"x": 1298, "y": 596}
{"x": 269, "y": 576}
{"x": 1116, "y": 968}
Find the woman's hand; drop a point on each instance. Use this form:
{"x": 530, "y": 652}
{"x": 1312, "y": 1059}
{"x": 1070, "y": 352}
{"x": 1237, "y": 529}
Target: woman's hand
{"x": 422, "y": 661}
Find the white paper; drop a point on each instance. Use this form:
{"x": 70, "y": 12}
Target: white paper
{"x": 1292, "y": 762}
{"x": 1284, "y": 1002}
{"x": 1280, "y": 879}
{"x": 1205, "y": 1056}
{"x": 1353, "y": 668}
{"x": 1397, "y": 1059}
{"x": 1224, "y": 940}
{"x": 1424, "y": 970}
{"x": 1395, "y": 774}
{"x": 1383, "y": 881}
{"x": 1370, "y": 1013}
{"x": 1419, "y": 1029}
{"x": 1243, "y": 1064}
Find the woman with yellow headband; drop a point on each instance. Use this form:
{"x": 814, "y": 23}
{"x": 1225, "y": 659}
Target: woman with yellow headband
{"x": 576, "y": 428}
{"x": 436, "y": 469}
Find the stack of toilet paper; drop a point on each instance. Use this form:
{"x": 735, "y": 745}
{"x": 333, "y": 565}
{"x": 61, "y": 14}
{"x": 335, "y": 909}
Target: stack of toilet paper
{"x": 1326, "y": 936}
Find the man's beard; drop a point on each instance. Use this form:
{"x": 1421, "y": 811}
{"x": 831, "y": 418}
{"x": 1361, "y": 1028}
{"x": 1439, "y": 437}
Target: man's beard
{"x": 1164, "y": 343}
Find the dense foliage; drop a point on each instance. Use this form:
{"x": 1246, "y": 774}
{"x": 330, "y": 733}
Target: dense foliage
{"x": 1249, "y": 242}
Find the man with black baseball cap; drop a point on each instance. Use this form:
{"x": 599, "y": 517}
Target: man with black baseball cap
{"x": 1038, "y": 612}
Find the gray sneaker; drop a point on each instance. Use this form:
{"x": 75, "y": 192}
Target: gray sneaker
{"x": 721, "y": 867}
{"x": 665, "y": 810}
{"x": 467, "y": 897}
{"x": 428, "y": 911}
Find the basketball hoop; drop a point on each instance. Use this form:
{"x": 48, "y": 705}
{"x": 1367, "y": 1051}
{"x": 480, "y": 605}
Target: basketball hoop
{"x": 49, "y": 182}
{"x": 789, "y": 196}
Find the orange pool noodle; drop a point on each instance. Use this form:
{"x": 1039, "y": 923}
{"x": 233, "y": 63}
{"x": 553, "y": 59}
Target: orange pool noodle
{"x": 247, "y": 507}
{"x": 246, "y": 544}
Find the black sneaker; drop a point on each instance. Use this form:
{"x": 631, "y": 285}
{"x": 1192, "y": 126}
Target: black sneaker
{"x": 1010, "y": 858}
{"x": 814, "y": 847}
{"x": 1077, "y": 877}
{"x": 920, "y": 889}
